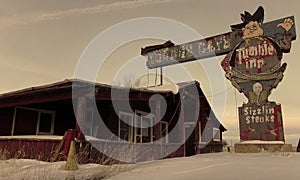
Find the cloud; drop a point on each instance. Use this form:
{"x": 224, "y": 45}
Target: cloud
{"x": 36, "y": 17}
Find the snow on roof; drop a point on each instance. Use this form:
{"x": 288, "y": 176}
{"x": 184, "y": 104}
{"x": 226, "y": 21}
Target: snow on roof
{"x": 51, "y": 137}
{"x": 163, "y": 88}
{"x": 67, "y": 83}
{"x": 261, "y": 142}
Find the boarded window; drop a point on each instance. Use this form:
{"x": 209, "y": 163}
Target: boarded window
{"x": 216, "y": 134}
{"x": 25, "y": 122}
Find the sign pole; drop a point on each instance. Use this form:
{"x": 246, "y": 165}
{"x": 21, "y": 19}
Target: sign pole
{"x": 161, "y": 75}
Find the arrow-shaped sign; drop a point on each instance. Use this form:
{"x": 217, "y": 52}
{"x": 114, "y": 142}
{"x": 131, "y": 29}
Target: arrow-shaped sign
{"x": 169, "y": 54}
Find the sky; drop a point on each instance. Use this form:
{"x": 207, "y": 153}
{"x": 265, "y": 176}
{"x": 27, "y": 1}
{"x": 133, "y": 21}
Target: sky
{"x": 43, "y": 41}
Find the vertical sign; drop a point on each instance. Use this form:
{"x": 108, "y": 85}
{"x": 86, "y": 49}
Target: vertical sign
{"x": 254, "y": 68}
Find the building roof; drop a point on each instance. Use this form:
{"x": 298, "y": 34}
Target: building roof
{"x": 69, "y": 83}
{"x": 62, "y": 90}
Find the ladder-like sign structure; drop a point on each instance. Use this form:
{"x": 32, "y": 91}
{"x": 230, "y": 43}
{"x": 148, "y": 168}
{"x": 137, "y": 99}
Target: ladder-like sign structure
{"x": 169, "y": 54}
{"x": 252, "y": 63}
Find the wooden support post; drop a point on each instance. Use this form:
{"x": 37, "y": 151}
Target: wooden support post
{"x": 80, "y": 118}
{"x": 197, "y": 127}
{"x": 157, "y": 126}
{"x": 70, "y": 136}
{"x": 71, "y": 164}
{"x": 64, "y": 146}
{"x": 161, "y": 75}
{"x": 197, "y": 119}
{"x": 59, "y": 148}
{"x": 181, "y": 128}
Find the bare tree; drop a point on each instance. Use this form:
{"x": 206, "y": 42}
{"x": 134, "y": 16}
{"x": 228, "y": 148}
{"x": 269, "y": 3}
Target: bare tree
{"x": 127, "y": 81}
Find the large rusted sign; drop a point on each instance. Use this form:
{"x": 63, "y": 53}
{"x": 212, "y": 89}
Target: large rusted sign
{"x": 254, "y": 51}
{"x": 254, "y": 68}
{"x": 169, "y": 54}
{"x": 254, "y": 65}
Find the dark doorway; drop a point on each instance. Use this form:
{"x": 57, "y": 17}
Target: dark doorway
{"x": 190, "y": 139}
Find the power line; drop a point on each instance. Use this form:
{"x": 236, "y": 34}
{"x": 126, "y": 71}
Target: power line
{"x": 219, "y": 93}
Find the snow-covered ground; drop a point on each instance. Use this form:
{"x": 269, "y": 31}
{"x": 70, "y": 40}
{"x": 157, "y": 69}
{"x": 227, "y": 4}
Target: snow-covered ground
{"x": 205, "y": 166}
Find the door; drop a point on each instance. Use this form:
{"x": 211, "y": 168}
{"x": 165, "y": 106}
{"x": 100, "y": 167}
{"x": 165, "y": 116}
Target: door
{"x": 190, "y": 138}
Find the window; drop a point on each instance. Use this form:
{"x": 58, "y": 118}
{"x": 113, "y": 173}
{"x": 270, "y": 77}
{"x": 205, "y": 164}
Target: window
{"x": 216, "y": 134}
{"x": 200, "y": 133}
{"x": 126, "y": 126}
{"x": 136, "y": 128}
{"x": 45, "y": 122}
{"x": 143, "y": 127}
{"x": 91, "y": 128}
{"x": 164, "y": 131}
{"x": 29, "y": 121}
{"x": 188, "y": 129}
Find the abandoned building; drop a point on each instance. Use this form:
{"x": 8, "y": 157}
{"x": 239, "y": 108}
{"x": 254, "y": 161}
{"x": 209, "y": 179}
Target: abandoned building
{"x": 33, "y": 121}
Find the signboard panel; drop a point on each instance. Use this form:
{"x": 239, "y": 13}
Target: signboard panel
{"x": 208, "y": 47}
{"x": 261, "y": 122}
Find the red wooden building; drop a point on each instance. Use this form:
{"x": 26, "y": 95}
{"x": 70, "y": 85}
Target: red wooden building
{"x": 34, "y": 120}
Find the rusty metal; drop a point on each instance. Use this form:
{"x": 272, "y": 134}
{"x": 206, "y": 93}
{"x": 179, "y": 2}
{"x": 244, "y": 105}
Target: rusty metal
{"x": 261, "y": 122}
{"x": 33, "y": 148}
{"x": 168, "y": 54}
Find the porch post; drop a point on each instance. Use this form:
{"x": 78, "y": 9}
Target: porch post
{"x": 80, "y": 118}
{"x": 197, "y": 127}
{"x": 157, "y": 126}
{"x": 181, "y": 127}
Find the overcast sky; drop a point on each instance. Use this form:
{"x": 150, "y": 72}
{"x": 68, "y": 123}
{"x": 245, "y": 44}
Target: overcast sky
{"x": 41, "y": 42}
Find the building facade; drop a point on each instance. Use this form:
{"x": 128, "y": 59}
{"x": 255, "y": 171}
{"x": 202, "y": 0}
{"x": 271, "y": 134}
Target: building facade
{"x": 34, "y": 120}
